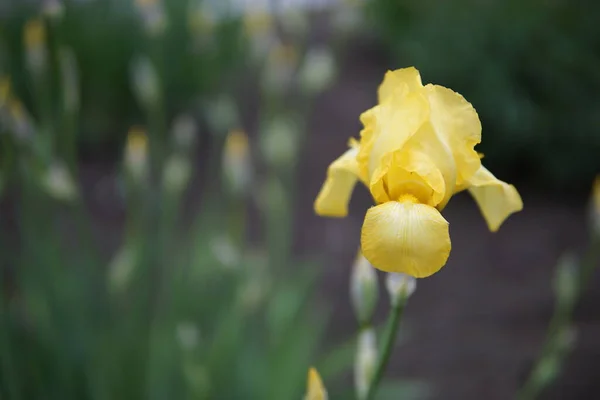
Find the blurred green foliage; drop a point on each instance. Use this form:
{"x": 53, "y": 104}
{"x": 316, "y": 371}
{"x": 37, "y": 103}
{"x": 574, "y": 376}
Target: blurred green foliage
{"x": 531, "y": 68}
{"x": 106, "y": 35}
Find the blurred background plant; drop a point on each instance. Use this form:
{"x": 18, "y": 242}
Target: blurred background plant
{"x": 188, "y": 122}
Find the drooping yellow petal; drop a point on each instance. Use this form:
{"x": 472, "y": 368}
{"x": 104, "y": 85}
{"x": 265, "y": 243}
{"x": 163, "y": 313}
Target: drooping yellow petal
{"x": 455, "y": 119}
{"x": 335, "y": 193}
{"x": 315, "y": 388}
{"x": 403, "y": 80}
{"x": 496, "y": 199}
{"x": 405, "y": 236}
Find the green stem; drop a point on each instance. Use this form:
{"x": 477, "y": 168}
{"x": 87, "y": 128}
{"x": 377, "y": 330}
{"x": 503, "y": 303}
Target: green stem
{"x": 389, "y": 340}
{"x": 552, "y": 348}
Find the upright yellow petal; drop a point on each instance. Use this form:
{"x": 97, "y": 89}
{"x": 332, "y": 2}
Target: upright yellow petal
{"x": 496, "y": 199}
{"x": 404, "y": 80}
{"x": 405, "y": 236}
{"x": 315, "y": 388}
{"x": 395, "y": 121}
{"x": 335, "y": 193}
{"x": 455, "y": 119}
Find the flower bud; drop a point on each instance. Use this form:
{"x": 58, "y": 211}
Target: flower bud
{"x": 400, "y": 287}
{"x": 35, "y": 46}
{"x": 70, "y": 80}
{"x": 260, "y": 29}
{"x": 59, "y": 183}
{"x": 153, "y": 16}
{"x": 222, "y": 115}
{"x": 184, "y": 133}
{"x": 280, "y": 68}
{"x": 364, "y": 289}
{"x": 237, "y": 167}
{"x": 566, "y": 278}
{"x": 53, "y": 9}
{"x": 176, "y": 174}
{"x": 136, "y": 154}
{"x": 279, "y": 142}
{"x": 146, "y": 83}
{"x": 121, "y": 268}
{"x": 366, "y": 360}
{"x": 318, "y": 70}
{"x": 225, "y": 252}
{"x": 188, "y": 335}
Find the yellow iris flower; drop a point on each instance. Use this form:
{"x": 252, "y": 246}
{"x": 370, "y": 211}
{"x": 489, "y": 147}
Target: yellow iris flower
{"x": 416, "y": 151}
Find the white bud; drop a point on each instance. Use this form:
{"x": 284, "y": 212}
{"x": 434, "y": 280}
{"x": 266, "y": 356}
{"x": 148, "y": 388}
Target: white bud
{"x": 184, "y": 133}
{"x": 280, "y": 68}
{"x": 121, "y": 268}
{"x": 566, "y": 278}
{"x": 225, "y": 252}
{"x": 59, "y": 183}
{"x": 318, "y": 70}
{"x": 70, "y": 80}
{"x": 237, "y": 166}
{"x": 279, "y": 142}
{"x": 176, "y": 174}
{"x": 366, "y": 361}
{"x": 146, "y": 83}
{"x": 400, "y": 286}
{"x": 222, "y": 115}
{"x": 188, "y": 335}
{"x": 364, "y": 289}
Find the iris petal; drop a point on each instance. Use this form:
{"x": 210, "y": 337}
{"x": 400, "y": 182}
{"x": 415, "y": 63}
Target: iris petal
{"x": 456, "y": 120}
{"x": 335, "y": 193}
{"x": 497, "y": 200}
{"x": 406, "y": 237}
{"x": 403, "y": 80}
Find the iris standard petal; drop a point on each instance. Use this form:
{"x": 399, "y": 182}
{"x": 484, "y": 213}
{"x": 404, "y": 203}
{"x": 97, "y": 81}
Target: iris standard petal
{"x": 455, "y": 119}
{"x": 395, "y": 121}
{"x": 335, "y": 193}
{"x": 497, "y": 200}
{"x": 403, "y": 80}
{"x": 407, "y": 237}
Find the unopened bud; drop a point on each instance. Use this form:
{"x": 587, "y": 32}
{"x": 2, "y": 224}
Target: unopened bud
{"x": 136, "y": 154}
{"x": 260, "y": 28}
{"x": 70, "y": 80}
{"x": 315, "y": 389}
{"x": 153, "y": 16}
{"x": 318, "y": 70}
{"x": 59, "y": 183}
{"x": 176, "y": 174}
{"x": 188, "y": 335}
{"x": 366, "y": 360}
{"x": 280, "y": 68}
{"x": 121, "y": 269}
{"x": 146, "y": 83}
{"x": 364, "y": 289}
{"x": 279, "y": 142}
{"x": 222, "y": 115}
{"x": 565, "y": 281}
{"x": 184, "y": 133}
{"x": 35, "y": 46}
{"x": 237, "y": 167}
{"x": 225, "y": 252}
{"x": 400, "y": 287}
{"x": 53, "y": 9}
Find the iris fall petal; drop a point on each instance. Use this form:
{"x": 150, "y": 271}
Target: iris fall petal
{"x": 335, "y": 193}
{"x": 406, "y": 237}
{"x": 496, "y": 199}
